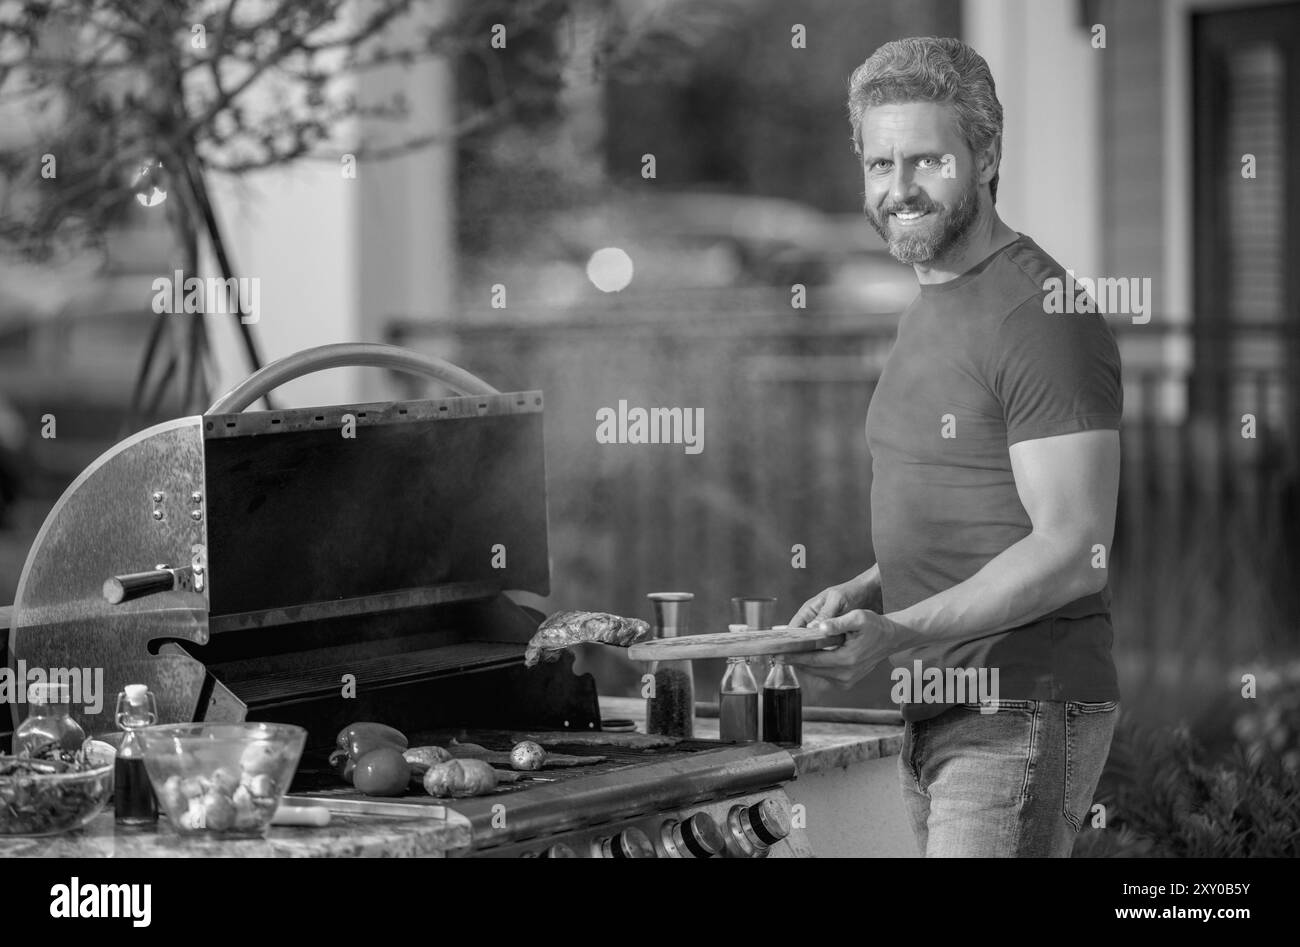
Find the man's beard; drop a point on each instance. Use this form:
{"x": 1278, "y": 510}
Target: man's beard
{"x": 947, "y": 231}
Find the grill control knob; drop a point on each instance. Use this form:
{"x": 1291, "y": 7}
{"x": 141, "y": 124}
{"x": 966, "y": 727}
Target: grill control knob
{"x": 630, "y": 843}
{"x": 753, "y": 830}
{"x": 696, "y": 837}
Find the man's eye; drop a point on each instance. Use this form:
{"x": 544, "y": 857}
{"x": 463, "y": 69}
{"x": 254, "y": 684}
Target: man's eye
{"x": 928, "y": 163}
{"x": 879, "y": 165}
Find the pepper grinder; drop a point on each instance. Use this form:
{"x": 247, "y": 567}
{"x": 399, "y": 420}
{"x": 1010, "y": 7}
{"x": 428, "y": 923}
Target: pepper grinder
{"x": 754, "y": 612}
{"x": 670, "y": 706}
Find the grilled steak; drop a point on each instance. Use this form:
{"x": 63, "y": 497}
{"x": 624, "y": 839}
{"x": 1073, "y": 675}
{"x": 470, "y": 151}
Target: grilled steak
{"x": 565, "y": 629}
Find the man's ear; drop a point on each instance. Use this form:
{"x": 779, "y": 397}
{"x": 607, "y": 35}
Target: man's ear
{"x": 989, "y": 159}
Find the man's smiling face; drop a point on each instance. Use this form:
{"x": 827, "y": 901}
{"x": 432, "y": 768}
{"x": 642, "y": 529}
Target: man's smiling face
{"x": 920, "y": 210}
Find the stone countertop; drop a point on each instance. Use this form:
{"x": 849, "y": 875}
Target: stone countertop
{"x": 344, "y": 837}
{"x": 825, "y": 745}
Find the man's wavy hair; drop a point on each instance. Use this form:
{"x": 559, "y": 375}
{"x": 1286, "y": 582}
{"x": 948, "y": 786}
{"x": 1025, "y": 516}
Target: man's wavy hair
{"x": 930, "y": 69}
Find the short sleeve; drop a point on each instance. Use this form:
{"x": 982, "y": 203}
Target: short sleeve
{"x": 1055, "y": 373}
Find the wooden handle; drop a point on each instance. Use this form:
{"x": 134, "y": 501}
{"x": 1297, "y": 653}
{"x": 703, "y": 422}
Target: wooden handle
{"x": 735, "y": 644}
{"x": 123, "y": 588}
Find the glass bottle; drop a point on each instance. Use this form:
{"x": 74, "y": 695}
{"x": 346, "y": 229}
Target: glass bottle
{"x": 133, "y": 798}
{"x": 738, "y": 703}
{"x": 671, "y": 708}
{"x": 49, "y": 722}
{"x": 782, "y": 705}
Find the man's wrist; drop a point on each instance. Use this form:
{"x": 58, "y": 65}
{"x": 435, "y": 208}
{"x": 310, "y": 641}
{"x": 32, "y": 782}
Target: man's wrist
{"x": 857, "y": 591}
{"x": 903, "y": 636}
{"x": 864, "y": 590}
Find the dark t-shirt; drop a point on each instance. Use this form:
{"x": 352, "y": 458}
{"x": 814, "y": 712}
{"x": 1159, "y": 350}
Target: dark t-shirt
{"x": 981, "y": 349}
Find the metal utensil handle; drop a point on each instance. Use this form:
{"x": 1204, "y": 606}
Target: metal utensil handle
{"x": 346, "y": 355}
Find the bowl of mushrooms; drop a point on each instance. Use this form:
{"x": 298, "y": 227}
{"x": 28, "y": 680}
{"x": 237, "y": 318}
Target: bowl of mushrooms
{"x": 222, "y": 780}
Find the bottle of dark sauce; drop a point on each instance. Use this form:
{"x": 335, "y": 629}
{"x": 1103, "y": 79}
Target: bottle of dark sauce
{"x": 782, "y": 705}
{"x": 133, "y": 799}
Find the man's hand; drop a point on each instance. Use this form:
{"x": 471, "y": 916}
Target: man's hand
{"x": 869, "y": 639}
{"x": 861, "y": 591}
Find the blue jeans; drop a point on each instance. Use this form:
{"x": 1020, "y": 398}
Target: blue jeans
{"x": 1015, "y": 783}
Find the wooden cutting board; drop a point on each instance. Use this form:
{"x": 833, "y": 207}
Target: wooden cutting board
{"x": 734, "y": 644}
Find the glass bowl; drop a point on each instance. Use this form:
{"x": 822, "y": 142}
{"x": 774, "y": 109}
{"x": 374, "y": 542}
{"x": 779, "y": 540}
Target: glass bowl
{"x": 47, "y": 803}
{"x": 221, "y": 779}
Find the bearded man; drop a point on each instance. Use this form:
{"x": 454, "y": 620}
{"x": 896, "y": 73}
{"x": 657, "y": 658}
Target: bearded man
{"x": 994, "y": 439}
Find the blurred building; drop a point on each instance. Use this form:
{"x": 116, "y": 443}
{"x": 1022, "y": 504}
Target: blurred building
{"x": 1129, "y": 126}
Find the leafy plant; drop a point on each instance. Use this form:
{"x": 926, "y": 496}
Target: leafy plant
{"x": 1164, "y": 799}
{"x": 1271, "y": 725}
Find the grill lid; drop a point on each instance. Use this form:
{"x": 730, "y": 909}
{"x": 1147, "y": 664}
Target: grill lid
{"x": 350, "y": 510}
{"x": 330, "y": 540}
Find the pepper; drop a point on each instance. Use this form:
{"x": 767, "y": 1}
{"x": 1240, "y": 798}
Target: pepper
{"x": 358, "y": 739}
{"x": 341, "y": 762}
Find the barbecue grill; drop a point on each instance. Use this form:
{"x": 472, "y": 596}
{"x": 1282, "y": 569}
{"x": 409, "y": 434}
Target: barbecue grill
{"x": 319, "y": 566}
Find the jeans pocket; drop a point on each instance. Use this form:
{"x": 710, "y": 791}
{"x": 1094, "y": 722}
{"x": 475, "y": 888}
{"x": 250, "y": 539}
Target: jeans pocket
{"x": 1089, "y": 727}
{"x": 1001, "y": 742}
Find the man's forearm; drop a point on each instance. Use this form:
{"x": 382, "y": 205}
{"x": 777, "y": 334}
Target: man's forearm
{"x": 1026, "y": 581}
{"x": 866, "y": 588}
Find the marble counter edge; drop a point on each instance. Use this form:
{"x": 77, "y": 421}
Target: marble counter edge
{"x": 826, "y": 746}
{"x": 344, "y": 837}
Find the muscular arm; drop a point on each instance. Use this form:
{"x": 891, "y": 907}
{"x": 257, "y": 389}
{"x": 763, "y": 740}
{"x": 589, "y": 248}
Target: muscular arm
{"x": 1068, "y": 485}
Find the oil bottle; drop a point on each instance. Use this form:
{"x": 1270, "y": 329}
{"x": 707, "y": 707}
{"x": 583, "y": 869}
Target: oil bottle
{"x": 49, "y": 725}
{"x": 738, "y": 703}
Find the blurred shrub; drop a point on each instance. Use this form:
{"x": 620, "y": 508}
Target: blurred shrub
{"x": 1165, "y": 800}
{"x": 1271, "y": 727}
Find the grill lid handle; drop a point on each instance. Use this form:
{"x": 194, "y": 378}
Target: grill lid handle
{"x": 123, "y": 588}
{"x": 346, "y": 355}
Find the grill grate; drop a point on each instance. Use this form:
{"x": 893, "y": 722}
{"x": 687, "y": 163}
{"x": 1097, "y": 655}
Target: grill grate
{"x": 314, "y": 777}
